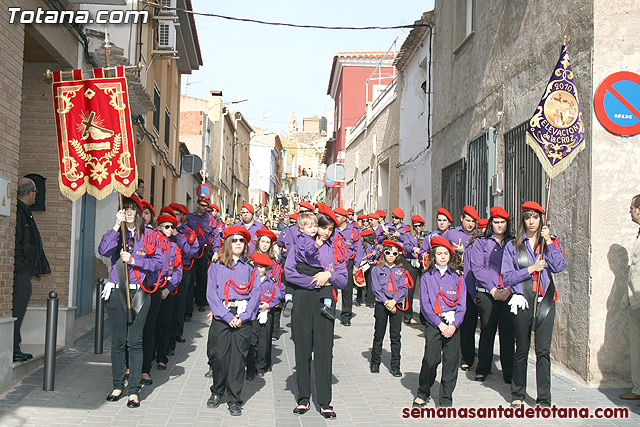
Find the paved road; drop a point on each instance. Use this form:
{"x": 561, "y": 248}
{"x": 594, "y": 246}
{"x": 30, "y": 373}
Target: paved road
{"x": 179, "y": 394}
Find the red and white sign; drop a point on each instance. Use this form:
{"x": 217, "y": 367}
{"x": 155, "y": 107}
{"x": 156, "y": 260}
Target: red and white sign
{"x": 617, "y": 103}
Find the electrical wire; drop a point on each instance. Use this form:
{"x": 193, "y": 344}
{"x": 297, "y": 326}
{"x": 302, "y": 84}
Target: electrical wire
{"x": 286, "y": 24}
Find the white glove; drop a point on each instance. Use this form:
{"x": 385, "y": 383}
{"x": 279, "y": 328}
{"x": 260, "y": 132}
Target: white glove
{"x": 518, "y": 302}
{"x": 262, "y": 316}
{"x": 106, "y": 291}
{"x": 415, "y": 263}
{"x": 449, "y": 317}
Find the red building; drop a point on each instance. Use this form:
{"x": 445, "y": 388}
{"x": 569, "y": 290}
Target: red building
{"x": 356, "y": 79}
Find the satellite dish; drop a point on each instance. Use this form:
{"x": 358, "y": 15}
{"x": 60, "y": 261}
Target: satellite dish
{"x": 191, "y": 164}
{"x": 336, "y": 172}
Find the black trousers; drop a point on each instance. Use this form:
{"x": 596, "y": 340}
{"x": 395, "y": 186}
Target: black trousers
{"x": 468, "y": 332}
{"x": 149, "y": 333}
{"x": 277, "y": 313}
{"x": 369, "y": 297}
{"x": 212, "y": 345}
{"x": 437, "y": 348}
{"x": 382, "y": 316}
{"x": 230, "y": 359}
{"x": 164, "y": 328}
{"x": 126, "y": 337}
{"x": 493, "y": 315}
{"x": 313, "y": 334}
{"x": 259, "y": 358}
{"x": 21, "y": 295}
{"x": 199, "y": 288}
{"x": 415, "y": 276}
{"x": 179, "y": 307}
{"x": 543, "y": 362}
{"x": 346, "y": 311}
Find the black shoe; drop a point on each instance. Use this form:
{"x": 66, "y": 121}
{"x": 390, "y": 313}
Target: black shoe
{"x": 20, "y": 357}
{"x": 180, "y": 338}
{"x": 187, "y": 318}
{"x": 419, "y": 405}
{"x": 214, "y": 401}
{"x": 464, "y": 367}
{"x": 235, "y": 410}
{"x": 261, "y": 373}
{"x": 147, "y": 381}
{"x": 346, "y": 322}
{"x": 480, "y": 378}
{"x": 209, "y": 373}
{"x": 112, "y": 398}
{"x": 329, "y": 312}
{"x": 328, "y": 414}
{"x": 133, "y": 403}
{"x": 370, "y": 305}
{"x": 200, "y": 308}
{"x": 251, "y": 377}
{"x": 543, "y": 404}
{"x": 162, "y": 366}
{"x": 301, "y": 409}
{"x": 288, "y": 307}
{"x": 275, "y": 338}
{"x": 375, "y": 369}
{"x": 396, "y": 372}
{"x": 357, "y": 303}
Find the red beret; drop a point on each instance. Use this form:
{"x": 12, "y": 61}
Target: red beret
{"x": 305, "y": 205}
{"x": 393, "y": 243}
{"x": 443, "y": 211}
{"x": 498, "y": 212}
{"x": 367, "y": 232}
{"x": 381, "y": 213}
{"x": 294, "y": 216}
{"x": 483, "y": 222}
{"x": 266, "y": 232}
{"x": 167, "y": 210}
{"x": 532, "y": 206}
{"x": 374, "y": 215}
{"x": 180, "y": 208}
{"x": 237, "y": 229}
{"x": 203, "y": 199}
{"x": 322, "y": 208}
{"x": 248, "y": 207}
{"x": 261, "y": 259}
{"x": 341, "y": 211}
{"x": 214, "y": 206}
{"x": 441, "y": 241}
{"x": 167, "y": 218}
{"x": 471, "y": 211}
{"x": 398, "y": 212}
{"x": 136, "y": 200}
{"x": 351, "y": 211}
{"x": 147, "y": 205}
{"x": 417, "y": 219}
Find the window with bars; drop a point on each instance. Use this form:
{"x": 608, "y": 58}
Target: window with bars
{"x": 453, "y": 187}
{"x": 478, "y": 175}
{"x": 167, "y": 127}
{"x": 156, "y": 105}
{"x": 523, "y": 174}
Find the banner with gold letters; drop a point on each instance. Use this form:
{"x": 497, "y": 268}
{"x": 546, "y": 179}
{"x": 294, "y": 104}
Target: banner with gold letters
{"x": 95, "y": 139}
{"x": 556, "y": 131}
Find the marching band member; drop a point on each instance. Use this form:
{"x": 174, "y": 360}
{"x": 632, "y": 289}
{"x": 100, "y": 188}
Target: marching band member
{"x": 379, "y": 226}
{"x": 285, "y": 240}
{"x": 171, "y": 277}
{"x": 486, "y": 264}
{"x": 271, "y": 292}
{"x": 366, "y": 258}
{"x": 411, "y": 245}
{"x": 443, "y": 221}
{"x": 443, "y": 303}
{"x": 395, "y": 230}
{"x": 248, "y": 222}
{"x": 460, "y": 236}
{"x": 140, "y": 260}
{"x": 527, "y": 265}
{"x": 350, "y": 213}
{"x": 389, "y": 283}
{"x": 313, "y": 331}
{"x": 234, "y": 301}
{"x": 470, "y": 322}
{"x": 347, "y": 237}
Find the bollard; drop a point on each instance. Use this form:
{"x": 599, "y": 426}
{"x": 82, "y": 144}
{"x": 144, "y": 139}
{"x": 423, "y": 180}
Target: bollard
{"x": 99, "y": 327}
{"x": 50, "y": 342}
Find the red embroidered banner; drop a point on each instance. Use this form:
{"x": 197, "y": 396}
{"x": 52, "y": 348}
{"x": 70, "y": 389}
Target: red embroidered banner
{"x": 95, "y": 140}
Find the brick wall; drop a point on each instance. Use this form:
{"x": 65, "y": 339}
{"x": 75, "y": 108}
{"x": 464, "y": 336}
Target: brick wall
{"x": 190, "y": 123}
{"x": 39, "y": 154}
{"x": 11, "y": 47}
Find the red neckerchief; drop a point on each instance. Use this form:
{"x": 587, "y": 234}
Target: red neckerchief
{"x": 408, "y": 281}
{"x": 242, "y": 290}
{"x": 340, "y": 250}
{"x": 451, "y": 302}
{"x": 177, "y": 262}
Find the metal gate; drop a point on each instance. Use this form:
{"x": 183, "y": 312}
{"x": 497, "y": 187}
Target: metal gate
{"x": 480, "y": 168}
{"x": 453, "y": 187}
{"x": 523, "y": 174}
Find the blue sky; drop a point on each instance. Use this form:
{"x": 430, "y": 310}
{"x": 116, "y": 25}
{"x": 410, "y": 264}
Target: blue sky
{"x": 283, "y": 70}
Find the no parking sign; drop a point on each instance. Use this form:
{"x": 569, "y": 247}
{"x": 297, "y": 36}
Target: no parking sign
{"x": 617, "y": 103}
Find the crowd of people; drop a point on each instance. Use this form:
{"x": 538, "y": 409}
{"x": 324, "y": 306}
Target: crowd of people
{"x": 248, "y": 278}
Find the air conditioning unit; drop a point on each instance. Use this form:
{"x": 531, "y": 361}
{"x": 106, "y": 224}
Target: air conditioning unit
{"x": 170, "y": 4}
{"x": 166, "y": 35}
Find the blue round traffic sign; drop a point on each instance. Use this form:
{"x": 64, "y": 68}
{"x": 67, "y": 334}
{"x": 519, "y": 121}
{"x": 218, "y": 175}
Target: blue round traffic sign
{"x": 203, "y": 190}
{"x": 617, "y": 103}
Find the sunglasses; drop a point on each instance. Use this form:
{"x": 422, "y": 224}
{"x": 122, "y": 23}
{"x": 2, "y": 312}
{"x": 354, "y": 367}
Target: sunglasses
{"x": 392, "y": 253}
{"x": 203, "y": 205}
{"x": 417, "y": 225}
{"x": 238, "y": 239}
{"x": 395, "y": 217}
{"x": 168, "y": 227}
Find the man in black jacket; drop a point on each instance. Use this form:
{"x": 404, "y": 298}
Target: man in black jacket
{"x": 30, "y": 260}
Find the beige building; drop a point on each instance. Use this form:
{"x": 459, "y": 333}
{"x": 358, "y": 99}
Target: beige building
{"x": 491, "y": 65}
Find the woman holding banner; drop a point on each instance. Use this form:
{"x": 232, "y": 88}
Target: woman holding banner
{"x": 140, "y": 259}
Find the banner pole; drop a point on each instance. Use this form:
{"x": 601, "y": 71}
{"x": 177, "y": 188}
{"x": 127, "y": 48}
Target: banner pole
{"x": 542, "y": 247}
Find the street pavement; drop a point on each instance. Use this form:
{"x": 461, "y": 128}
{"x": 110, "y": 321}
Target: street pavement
{"x": 178, "y": 396}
